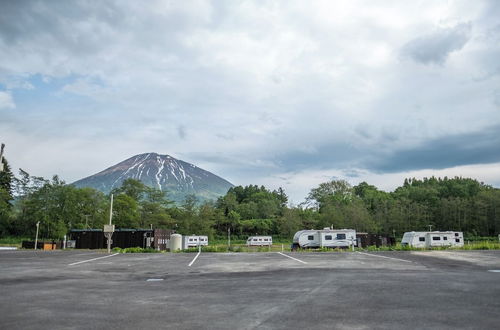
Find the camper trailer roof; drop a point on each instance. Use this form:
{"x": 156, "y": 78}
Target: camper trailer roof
{"x": 432, "y": 232}
{"x": 297, "y": 234}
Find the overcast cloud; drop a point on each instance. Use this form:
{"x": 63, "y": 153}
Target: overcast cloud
{"x": 280, "y": 93}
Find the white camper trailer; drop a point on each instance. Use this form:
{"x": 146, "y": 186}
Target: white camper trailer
{"x": 426, "y": 239}
{"x": 332, "y": 238}
{"x": 259, "y": 241}
{"x": 194, "y": 241}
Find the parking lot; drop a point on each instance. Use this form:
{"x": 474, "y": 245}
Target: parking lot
{"x": 339, "y": 290}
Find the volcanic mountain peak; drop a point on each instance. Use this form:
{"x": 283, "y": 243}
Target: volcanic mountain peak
{"x": 178, "y": 178}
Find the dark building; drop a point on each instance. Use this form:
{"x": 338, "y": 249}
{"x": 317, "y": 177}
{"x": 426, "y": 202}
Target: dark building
{"x": 365, "y": 239}
{"x": 122, "y": 238}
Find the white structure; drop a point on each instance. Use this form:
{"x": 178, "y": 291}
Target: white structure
{"x": 259, "y": 241}
{"x": 194, "y": 241}
{"x": 426, "y": 239}
{"x": 175, "y": 243}
{"x": 332, "y": 238}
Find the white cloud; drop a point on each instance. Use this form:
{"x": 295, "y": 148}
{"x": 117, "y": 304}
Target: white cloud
{"x": 239, "y": 87}
{"x": 6, "y": 101}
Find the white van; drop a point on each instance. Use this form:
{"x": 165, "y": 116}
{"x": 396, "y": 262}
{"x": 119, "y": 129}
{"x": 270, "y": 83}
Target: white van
{"x": 259, "y": 241}
{"x": 327, "y": 237}
{"x": 194, "y": 241}
{"x": 426, "y": 239}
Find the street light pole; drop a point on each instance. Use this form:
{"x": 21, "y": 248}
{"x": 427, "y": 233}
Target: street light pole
{"x": 36, "y": 236}
{"x": 1, "y": 157}
{"x": 110, "y": 217}
{"x": 111, "y": 210}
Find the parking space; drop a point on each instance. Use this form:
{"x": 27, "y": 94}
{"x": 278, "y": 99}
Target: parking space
{"x": 345, "y": 290}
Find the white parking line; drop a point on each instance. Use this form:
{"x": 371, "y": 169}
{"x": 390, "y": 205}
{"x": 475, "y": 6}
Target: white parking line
{"x": 81, "y": 262}
{"x": 494, "y": 270}
{"x": 292, "y": 257}
{"x": 376, "y": 255}
{"x": 194, "y": 259}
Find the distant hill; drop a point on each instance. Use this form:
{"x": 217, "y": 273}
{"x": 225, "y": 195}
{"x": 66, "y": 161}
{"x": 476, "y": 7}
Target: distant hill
{"x": 176, "y": 177}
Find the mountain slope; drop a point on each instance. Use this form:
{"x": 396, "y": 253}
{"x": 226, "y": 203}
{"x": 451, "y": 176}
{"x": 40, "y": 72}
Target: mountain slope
{"x": 176, "y": 177}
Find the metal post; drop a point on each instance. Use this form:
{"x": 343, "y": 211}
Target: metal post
{"x": 229, "y": 237}
{"x": 1, "y": 157}
{"x": 110, "y": 217}
{"x": 36, "y": 236}
{"x": 111, "y": 210}
{"x": 430, "y": 227}
{"x": 64, "y": 242}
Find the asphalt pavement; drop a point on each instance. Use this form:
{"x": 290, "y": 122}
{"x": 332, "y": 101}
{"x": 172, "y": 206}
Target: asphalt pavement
{"x": 338, "y": 290}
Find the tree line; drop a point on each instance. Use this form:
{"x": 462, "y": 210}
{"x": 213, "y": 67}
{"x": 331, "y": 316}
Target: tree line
{"x": 460, "y": 204}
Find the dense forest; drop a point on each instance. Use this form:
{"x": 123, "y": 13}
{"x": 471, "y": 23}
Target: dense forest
{"x": 460, "y": 204}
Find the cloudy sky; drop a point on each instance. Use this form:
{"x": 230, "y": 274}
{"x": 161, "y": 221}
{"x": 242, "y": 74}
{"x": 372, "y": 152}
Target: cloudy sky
{"x": 280, "y": 93}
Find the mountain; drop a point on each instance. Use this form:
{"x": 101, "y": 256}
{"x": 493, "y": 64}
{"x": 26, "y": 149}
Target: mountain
{"x": 176, "y": 177}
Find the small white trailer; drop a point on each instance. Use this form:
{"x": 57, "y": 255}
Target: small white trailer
{"x": 426, "y": 239}
{"x": 332, "y": 238}
{"x": 194, "y": 241}
{"x": 259, "y": 241}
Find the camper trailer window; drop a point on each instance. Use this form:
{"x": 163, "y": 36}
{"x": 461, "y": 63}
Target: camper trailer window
{"x": 310, "y": 237}
{"x": 445, "y": 238}
{"x": 421, "y": 239}
{"x": 457, "y": 240}
{"x": 190, "y": 239}
{"x": 328, "y": 237}
{"x": 340, "y": 236}
{"x": 436, "y": 238}
{"x": 456, "y": 234}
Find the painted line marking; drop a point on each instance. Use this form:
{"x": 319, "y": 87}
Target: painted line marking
{"x": 375, "y": 255}
{"x": 291, "y": 257}
{"x": 194, "y": 259}
{"x": 154, "y": 280}
{"x": 494, "y": 270}
{"x": 81, "y": 262}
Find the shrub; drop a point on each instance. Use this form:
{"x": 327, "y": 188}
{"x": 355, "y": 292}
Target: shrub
{"x": 135, "y": 250}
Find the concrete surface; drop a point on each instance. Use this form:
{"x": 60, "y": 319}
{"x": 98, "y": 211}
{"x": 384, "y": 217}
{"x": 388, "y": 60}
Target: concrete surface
{"x": 347, "y": 290}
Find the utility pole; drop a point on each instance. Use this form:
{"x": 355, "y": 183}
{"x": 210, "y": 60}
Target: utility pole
{"x": 36, "y": 236}
{"x": 109, "y": 229}
{"x": 111, "y": 210}
{"x": 1, "y": 157}
{"x": 229, "y": 237}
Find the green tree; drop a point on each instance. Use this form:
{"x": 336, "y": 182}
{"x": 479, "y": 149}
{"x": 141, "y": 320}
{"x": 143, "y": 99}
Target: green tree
{"x": 335, "y": 190}
{"x": 125, "y": 211}
{"x": 6, "y": 198}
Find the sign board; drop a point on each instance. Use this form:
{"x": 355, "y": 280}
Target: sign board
{"x": 109, "y": 228}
